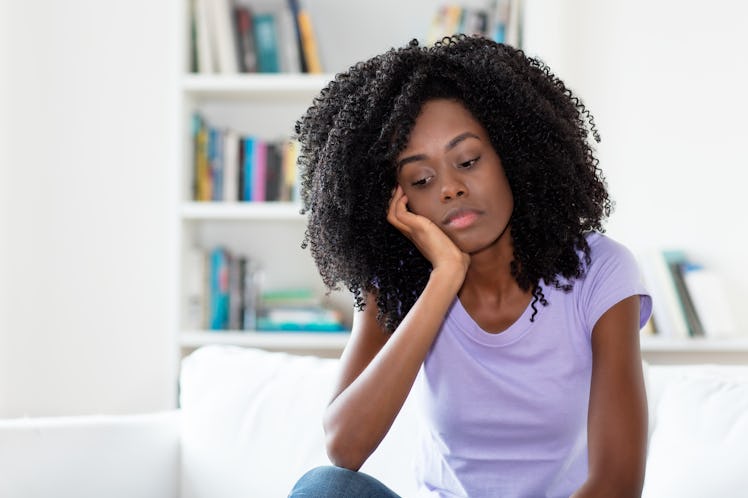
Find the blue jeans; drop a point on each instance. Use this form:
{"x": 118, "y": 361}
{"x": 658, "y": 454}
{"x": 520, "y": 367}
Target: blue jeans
{"x": 337, "y": 482}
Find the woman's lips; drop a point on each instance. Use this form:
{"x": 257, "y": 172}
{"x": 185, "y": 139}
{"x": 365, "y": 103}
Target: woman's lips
{"x": 461, "y": 218}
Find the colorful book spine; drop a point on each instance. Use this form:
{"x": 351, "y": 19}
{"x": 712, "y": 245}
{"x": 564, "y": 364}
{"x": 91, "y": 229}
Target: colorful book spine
{"x": 215, "y": 150}
{"x": 266, "y": 43}
{"x": 219, "y": 289}
{"x": 259, "y": 171}
{"x": 309, "y": 42}
{"x": 201, "y": 169}
{"x": 249, "y": 153}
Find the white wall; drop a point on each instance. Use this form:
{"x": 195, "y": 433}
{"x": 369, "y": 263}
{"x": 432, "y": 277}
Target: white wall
{"x": 3, "y": 200}
{"x": 666, "y": 82}
{"x": 88, "y": 230}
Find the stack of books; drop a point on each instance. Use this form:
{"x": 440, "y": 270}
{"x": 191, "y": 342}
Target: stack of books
{"x": 688, "y": 298}
{"x": 232, "y": 38}
{"x": 225, "y": 291}
{"x": 231, "y": 167}
{"x": 498, "y": 20}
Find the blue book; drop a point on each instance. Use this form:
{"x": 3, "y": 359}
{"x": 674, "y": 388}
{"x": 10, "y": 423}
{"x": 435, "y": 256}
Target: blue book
{"x": 216, "y": 163}
{"x": 266, "y": 43}
{"x": 219, "y": 289}
{"x": 249, "y": 153}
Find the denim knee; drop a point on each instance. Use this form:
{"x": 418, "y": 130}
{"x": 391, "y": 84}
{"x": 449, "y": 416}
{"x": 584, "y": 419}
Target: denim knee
{"x": 337, "y": 482}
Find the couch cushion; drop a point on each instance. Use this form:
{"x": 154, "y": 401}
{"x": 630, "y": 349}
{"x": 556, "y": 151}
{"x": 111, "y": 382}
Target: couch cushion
{"x": 252, "y": 424}
{"x": 699, "y": 435}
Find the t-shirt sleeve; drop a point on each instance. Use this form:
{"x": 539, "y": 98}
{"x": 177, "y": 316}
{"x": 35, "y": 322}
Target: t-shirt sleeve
{"x": 612, "y": 276}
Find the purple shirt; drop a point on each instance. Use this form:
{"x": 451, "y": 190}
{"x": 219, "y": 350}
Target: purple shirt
{"x": 506, "y": 414}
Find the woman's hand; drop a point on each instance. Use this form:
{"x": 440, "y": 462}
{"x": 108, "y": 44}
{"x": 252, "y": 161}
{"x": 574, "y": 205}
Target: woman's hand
{"x": 430, "y": 240}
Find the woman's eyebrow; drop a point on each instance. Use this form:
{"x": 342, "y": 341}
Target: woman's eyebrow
{"x": 459, "y": 138}
{"x": 450, "y": 145}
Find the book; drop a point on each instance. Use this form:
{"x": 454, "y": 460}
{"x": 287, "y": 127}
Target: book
{"x": 266, "y": 42}
{"x": 245, "y": 39}
{"x": 203, "y": 43}
{"x": 215, "y": 159}
{"x": 222, "y": 31}
{"x": 294, "y": 8}
{"x": 201, "y": 165}
{"x": 247, "y": 167}
{"x": 219, "y": 289}
{"x": 676, "y": 260}
{"x": 230, "y": 166}
{"x": 298, "y": 319}
{"x": 289, "y": 186}
{"x": 290, "y": 56}
{"x": 250, "y": 278}
{"x": 710, "y": 301}
{"x": 273, "y": 172}
{"x": 194, "y": 289}
{"x": 669, "y": 319}
{"x": 309, "y": 46}
{"x": 234, "y": 321}
{"x": 259, "y": 170}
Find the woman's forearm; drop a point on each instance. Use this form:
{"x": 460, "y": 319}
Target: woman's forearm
{"x": 360, "y": 416}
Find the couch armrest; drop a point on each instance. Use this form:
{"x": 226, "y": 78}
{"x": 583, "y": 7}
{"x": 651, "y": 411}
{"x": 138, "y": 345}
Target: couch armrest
{"x": 91, "y": 456}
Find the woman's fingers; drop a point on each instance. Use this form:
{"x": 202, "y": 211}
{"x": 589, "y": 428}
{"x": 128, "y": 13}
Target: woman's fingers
{"x": 398, "y": 210}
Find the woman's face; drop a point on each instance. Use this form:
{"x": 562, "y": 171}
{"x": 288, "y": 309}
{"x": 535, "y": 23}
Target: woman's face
{"x": 453, "y": 176}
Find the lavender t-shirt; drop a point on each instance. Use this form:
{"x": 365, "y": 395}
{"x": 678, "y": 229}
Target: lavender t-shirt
{"x": 506, "y": 414}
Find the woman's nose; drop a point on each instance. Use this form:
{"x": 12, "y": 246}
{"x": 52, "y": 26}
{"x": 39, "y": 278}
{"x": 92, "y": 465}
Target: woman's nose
{"x": 452, "y": 188}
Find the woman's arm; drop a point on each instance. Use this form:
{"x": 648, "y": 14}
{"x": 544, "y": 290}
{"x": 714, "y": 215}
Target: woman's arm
{"x": 378, "y": 372}
{"x": 617, "y": 418}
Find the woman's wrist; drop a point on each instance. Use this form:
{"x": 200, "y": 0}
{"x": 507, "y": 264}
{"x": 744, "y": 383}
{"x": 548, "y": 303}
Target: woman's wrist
{"x": 449, "y": 274}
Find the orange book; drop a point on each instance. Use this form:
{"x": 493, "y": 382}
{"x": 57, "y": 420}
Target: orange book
{"x": 309, "y": 43}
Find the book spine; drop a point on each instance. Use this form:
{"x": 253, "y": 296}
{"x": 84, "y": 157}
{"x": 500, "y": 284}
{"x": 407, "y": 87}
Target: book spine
{"x": 259, "y": 171}
{"x": 668, "y": 317}
{"x": 234, "y": 293}
{"x": 290, "y": 58}
{"x": 245, "y": 39}
{"x": 219, "y": 289}
{"x": 293, "y": 7}
{"x": 290, "y": 157}
{"x": 230, "y": 166}
{"x": 675, "y": 260}
{"x": 273, "y": 173}
{"x": 309, "y": 42}
{"x": 216, "y": 164}
{"x": 266, "y": 43}
{"x": 249, "y": 153}
{"x": 204, "y": 45}
{"x": 223, "y": 34}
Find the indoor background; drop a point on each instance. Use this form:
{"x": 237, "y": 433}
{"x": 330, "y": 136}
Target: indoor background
{"x": 88, "y": 144}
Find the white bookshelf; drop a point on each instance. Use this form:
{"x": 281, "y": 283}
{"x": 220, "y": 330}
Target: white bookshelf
{"x": 265, "y": 106}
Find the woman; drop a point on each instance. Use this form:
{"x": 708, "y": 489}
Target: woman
{"x": 453, "y": 191}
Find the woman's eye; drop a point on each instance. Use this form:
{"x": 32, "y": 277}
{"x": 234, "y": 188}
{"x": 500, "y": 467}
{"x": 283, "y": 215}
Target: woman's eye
{"x": 469, "y": 163}
{"x": 421, "y": 182}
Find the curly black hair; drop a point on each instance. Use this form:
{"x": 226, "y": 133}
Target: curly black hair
{"x": 360, "y": 122}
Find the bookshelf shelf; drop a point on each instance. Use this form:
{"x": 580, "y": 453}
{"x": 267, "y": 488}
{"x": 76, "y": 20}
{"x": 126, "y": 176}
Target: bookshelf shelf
{"x": 332, "y": 341}
{"x": 253, "y": 85}
{"x": 241, "y": 211}
{"x": 694, "y": 345}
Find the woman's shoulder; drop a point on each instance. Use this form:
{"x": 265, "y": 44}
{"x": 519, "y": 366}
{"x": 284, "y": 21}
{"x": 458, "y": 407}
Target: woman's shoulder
{"x": 604, "y": 248}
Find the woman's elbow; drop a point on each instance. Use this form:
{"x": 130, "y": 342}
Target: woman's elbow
{"x": 343, "y": 454}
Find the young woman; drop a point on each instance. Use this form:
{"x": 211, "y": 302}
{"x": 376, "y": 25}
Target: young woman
{"x": 453, "y": 190}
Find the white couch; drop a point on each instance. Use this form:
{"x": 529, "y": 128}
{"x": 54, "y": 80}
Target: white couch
{"x": 249, "y": 426}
